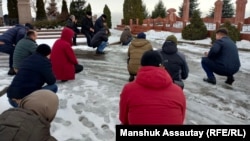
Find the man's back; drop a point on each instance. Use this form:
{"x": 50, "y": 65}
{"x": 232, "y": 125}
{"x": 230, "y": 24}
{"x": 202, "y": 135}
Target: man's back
{"x": 224, "y": 51}
{"x": 24, "y": 48}
{"x": 34, "y": 72}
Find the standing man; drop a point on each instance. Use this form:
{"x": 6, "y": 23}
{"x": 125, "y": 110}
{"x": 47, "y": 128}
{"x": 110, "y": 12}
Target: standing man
{"x": 72, "y": 24}
{"x": 9, "y": 39}
{"x": 99, "y": 23}
{"x": 88, "y": 27}
{"x": 222, "y": 59}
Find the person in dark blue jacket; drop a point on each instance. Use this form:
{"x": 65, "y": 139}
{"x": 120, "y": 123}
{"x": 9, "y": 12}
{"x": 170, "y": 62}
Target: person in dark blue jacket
{"x": 222, "y": 58}
{"x": 9, "y": 39}
{"x": 174, "y": 61}
{"x": 34, "y": 72}
{"x": 100, "y": 23}
{"x": 100, "y": 40}
{"x": 88, "y": 27}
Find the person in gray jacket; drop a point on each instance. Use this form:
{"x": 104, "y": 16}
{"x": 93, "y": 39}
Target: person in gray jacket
{"x": 174, "y": 61}
{"x": 24, "y": 48}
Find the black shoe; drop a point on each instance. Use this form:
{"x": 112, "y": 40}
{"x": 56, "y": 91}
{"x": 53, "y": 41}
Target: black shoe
{"x": 230, "y": 80}
{"x": 100, "y": 52}
{"x": 131, "y": 78}
{"x": 11, "y": 72}
{"x": 210, "y": 80}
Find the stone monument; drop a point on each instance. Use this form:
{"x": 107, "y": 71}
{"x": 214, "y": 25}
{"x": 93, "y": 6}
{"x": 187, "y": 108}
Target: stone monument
{"x": 24, "y": 11}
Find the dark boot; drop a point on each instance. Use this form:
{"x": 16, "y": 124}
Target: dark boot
{"x": 230, "y": 80}
{"x": 11, "y": 72}
{"x": 131, "y": 78}
{"x": 210, "y": 80}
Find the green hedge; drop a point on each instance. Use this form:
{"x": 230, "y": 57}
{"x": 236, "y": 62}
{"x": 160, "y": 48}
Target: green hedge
{"x": 48, "y": 24}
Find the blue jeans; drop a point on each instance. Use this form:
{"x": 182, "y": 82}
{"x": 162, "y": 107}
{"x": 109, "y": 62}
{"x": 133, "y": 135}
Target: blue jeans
{"x": 52, "y": 87}
{"x": 9, "y": 49}
{"x": 101, "y": 47}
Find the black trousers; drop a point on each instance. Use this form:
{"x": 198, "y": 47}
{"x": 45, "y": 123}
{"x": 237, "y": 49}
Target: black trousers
{"x": 78, "y": 68}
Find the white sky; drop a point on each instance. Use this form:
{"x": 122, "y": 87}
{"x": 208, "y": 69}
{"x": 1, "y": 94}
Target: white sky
{"x": 116, "y": 5}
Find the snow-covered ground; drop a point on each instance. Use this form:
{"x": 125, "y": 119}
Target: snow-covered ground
{"x": 88, "y": 109}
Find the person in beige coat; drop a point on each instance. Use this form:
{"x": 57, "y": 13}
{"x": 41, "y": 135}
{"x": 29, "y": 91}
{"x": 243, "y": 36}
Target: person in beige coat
{"x": 135, "y": 51}
{"x": 31, "y": 120}
{"x": 126, "y": 36}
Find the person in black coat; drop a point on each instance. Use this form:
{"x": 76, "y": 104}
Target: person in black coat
{"x": 72, "y": 24}
{"x": 9, "y": 39}
{"x": 88, "y": 27}
{"x": 100, "y": 40}
{"x": 222, "y": 58}
{"x": 99, "y": 23}
{"x": 34, "y": 72}
{"x": 174, "y": 61}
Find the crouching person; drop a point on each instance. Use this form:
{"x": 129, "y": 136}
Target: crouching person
{"x": 31, "y": 120}
{"x": 34, "y": 72}
{"x": 100, "y": 40}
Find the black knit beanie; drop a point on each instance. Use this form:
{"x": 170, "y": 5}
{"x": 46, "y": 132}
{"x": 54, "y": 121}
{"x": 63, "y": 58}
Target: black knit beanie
{"x": 43, "y": 49}
{"x": 151, "y": 58}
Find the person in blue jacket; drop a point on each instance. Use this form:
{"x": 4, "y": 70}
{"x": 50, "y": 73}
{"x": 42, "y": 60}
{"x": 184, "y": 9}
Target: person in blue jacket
{"x": 222, "y": 58}
{"x": 9, "y": 39}
{"x": 34, "y": 72}
{"x": 100, "y": 23}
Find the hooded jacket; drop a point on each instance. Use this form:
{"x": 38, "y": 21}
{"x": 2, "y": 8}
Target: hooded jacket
{"x": 135, "y": 52}
{"x": 152, "y": 99}
{"x": 62, "y": 56}
{"x": 174, "y": 61}
{"x": 31, "y": 121}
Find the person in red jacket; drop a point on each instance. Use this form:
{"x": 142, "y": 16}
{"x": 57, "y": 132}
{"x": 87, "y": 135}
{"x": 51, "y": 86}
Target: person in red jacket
{"x": 152, "y": 98}
{"x": 63, "y": 59}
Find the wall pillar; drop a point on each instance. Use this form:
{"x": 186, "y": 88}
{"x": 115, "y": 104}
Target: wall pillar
{"x": 240, "y": 11}
{"x": 24, "y": 11}
{"x": 185, "y": 16}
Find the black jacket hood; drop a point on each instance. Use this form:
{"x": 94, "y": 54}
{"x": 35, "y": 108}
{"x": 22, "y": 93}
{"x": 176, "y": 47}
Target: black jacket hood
{"x": 169, "y": 47}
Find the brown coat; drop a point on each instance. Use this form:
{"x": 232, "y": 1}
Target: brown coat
{"x": 30, "y": 122}
{"x": 135, "y": 52}
{"x": 126, "y": 34}
{"x": 15, "y": 123}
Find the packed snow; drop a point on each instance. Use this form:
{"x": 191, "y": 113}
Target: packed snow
{"x": 89, "y": 105}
